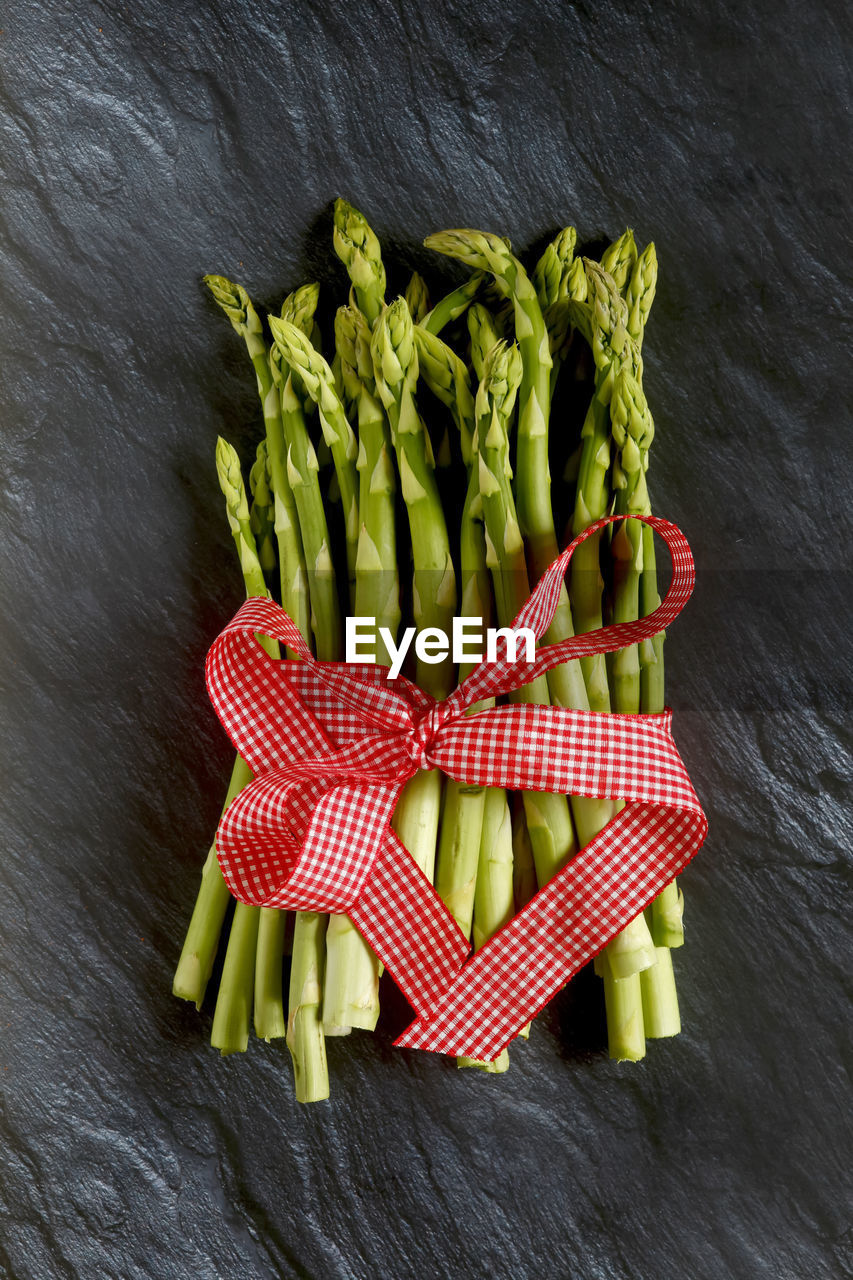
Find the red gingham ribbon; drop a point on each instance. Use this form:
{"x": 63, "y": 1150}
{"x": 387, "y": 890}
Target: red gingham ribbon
{"x": 332, "y": 746}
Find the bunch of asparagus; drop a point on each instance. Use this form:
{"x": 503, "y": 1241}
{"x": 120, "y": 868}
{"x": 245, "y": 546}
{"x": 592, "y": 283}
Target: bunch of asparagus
{"x": 357, "y": 505}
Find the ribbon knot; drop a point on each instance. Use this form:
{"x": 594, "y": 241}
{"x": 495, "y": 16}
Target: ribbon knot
{"x": 333, "y": 745}
{"x": 422, "y": 736}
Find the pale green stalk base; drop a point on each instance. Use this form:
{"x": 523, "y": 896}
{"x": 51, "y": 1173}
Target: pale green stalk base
{"x": 459, "y": 850}
{"x": 352, "y": 970}
{"x": 305, "y": 1038}
{"x": 552, "y": 837}
{"x": 202, "y": 939}
{"x": 523, "y": 871}
{"x": 351, "y": 979}
{"x": 232, "y": 1017}
{"x": 494, "y": 901}
{"x": 660, "y": 998}
{"x": 269, "y": 959}
{"x": 626, "y": 1038}
{"x": 416, "y": 818}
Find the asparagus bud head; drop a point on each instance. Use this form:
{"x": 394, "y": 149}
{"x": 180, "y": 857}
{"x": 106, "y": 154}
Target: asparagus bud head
{"x": 502, "y": 378}
{"x": 619, "y": 258}
{"x": 395, "y": 357}
{"x": 299, "y": 307}
{"x": 234, "y": 301}
{"x": 231, "y": 484}
{"x": 480, "y": 250}
{"x": 550, "y": 271}
{"x": 417, "y": 297}
{"x": 641, "y": 291}
{"x": 345, "y": 345}
{"x": 484, "y": 335}
{"x": 359, "y": 250}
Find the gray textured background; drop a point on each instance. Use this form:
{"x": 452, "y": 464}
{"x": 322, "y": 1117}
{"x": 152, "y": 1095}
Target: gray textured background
{"x": 142, "y": 147}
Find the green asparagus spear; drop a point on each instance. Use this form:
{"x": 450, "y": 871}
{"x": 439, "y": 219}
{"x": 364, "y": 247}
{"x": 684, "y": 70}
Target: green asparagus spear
{"x": 551, "y": 281}
{"x": 359, "y": 251}
{"x": 619, "y": 258}
{"x": 484, "y": 336}
{"x": 395, "y": 365}
{"x": 632, "y": 949}
{"x": 453, "y": 305}
{"x": 612, "y": 347}
{"x": 236, "y": 304}
{"x": 447, "y": 377}
{"x": 551, "y": 268}
{"x": 548, "y": 822}
{"x": 300, "y": 308}
{"x": 305, "y": 1038}
{"x": 351, "y": 977}
{"x": 202, "y": 939}
{"x": 623, "y": 1005}
{"x": 462, "y": 816}
{"x": 262, "y": 512}
{"x": 303, "y": 478}
{"x": 319, "y": 383}
{"x": 633, "y": 431}
{"x": 351, "y": 996}
{"x": 565, "y": 683}
{"x": 487, "y": 252}
{"x": 641, "y": 292}
{"x": 242, "y": 980}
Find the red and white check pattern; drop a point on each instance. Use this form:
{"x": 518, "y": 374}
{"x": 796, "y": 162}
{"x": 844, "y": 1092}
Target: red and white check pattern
{"x": 332, "y": 747}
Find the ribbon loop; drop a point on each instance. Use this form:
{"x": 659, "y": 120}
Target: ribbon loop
{"x": 490, "y": 679}
{"x": 285, "y": 820}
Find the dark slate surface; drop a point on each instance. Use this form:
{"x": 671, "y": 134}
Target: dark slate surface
{"x": 143, "y": 145}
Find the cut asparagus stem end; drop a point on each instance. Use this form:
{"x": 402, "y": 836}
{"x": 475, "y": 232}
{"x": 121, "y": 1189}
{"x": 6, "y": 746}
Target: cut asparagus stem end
{"x": 623, "y": 1002}
{"x": 200, "y": 945}
{"x": 202, "y": 939}
{"x": 660, "y": 999}
{"x": 495, "y": 1068}
{"x": 233, "y": 1014}
{"x": 305, "y": 1038}
{"x": 351, "y": 984}
{"x": 269, "y": 958}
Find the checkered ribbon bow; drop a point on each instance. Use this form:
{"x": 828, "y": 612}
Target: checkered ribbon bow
{"x": 332, "y": 745}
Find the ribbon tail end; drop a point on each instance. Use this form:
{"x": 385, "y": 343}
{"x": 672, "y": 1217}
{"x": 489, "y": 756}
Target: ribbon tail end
{"x": 424, "y": 1033}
